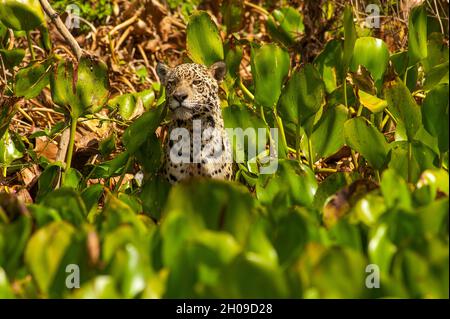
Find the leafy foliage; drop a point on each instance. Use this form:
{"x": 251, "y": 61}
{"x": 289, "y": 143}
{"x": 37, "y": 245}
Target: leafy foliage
{"x": 308, "y": 230}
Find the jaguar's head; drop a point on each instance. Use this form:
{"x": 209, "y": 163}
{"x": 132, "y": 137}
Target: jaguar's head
{"x": 191, "y": 88}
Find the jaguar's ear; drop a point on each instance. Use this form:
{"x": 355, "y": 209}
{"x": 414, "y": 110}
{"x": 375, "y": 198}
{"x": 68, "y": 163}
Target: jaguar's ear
{"x": 218, "y": 70}
{"x": 162, "y": 70}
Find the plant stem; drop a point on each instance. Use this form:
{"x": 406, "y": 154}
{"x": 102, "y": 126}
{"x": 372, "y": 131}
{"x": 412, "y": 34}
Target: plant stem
{"x": 310, "y": 154}
{"x": 30, "y": 46}
{"x": 62, "y": 28}
{"x": 297, "y": 144}
{"x": 257, "y": 8}
{"x": 122, "y": 176}
{"x": 281, "y": 128}
{"x": 73, "y": 129}
{"x": 409, "y": 161}
{"x": 245, "y": 90}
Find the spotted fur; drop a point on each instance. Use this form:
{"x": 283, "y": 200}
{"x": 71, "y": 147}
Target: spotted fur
{"x": 192, "y": 94}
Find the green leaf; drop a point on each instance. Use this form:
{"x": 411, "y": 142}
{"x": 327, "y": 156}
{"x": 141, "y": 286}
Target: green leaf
{"x": 8, "y": 150}
{"x": 302, "y": 97}
{"x": 417, "y": 35}
{"x": 203, "y": 41}
{"x": 45, "y": 250}
{"x": 13, "y": 57}
{"x": 233, "y": 58}
{"x": 31, "y": 80}
{"x": 21, "y": 15}
{"x": 435, "y": 115}
{"x": 381, "y": 249}
{"x": 422, "y": 158}
{"x": 270, "y": 66}
{"x": 349, "y": 37}
{"x": 329, "y": 64}
{"x": 211, "y": 204}
{"x": 369, "y": 208}
{"x": 101, "y": 287}
{"x": 436, "y": 75}
{"x": 233, "y": 15}
{"x": 371, "y": 102}
{"x": 5, "y": 288}
{"x": 48, "y": 180}
{"x": 403, "y": 106}
{"x": 285, "y": 25}
{"x": 395, "y": 190}
{"x": 68, "y": 203}
{"x": 154, "y": 195}
{"x": 362, "y": 136}
{"x": 438, "y": 51}
{"x": 292, "y": 184}
{"x": 81, "y": 91}
{"x": 243, "y": 119}
{"x": 125, "y": 103}
{"x": 328, "y": 135}
{"x": 137, "y": 133}
{"x": 250, "y": 276}
{"x": 373, "y": 54}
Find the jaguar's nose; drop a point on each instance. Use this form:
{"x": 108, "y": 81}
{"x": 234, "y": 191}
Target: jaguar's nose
{"x": 180, "y": 96}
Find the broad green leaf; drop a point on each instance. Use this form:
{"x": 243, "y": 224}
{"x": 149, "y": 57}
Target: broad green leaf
{"x": 80, "y": 91}
{"x": 422, "y": 158}
{"x": 13, "y": 57}
{"x": 138, "y": 132}
{"x": 45, "y": 250}
{"x": 403, "y": 106}
{"x": 101, "y": 287}
{"x": 328, "y": 135}
{"x": 154, "y": 195}
{"x": 395, "y": 190}
{"x": 285, "y": 25}
{"x": 199, "y": 264}
{"x": 436, "y": 75}
{"x": 125, "y": 103}
{"x": 434, "y": 217}
{"x": 329, "y": 64}
{"x": 373, "y": 54}
{"x": 68, "y": 203}
{"x": 48, "y": 180}
{"x": 369, "y": 208}
{"x": 302, "y": 97}
{"x": 244, "y": 124}
{"x": 250, "y": 276}
{"x": 233, "y": 15}
{"x": 146, "y": 96}
{"x": 291, "y": 234}
{"x": 203, "y": 41}
{"x": 362, "y": 136}
{"x": 292, "y": 184}
{"x": 381, "y": 249}
{"x": 15, "y": 236}
{"x": 435, "y": 115}
{"x": 345, "y": 278}
{"x": 371, "y": 102}
{"x": 233, "y": 58}
{"x": 438, "y": 51}
{"x": 8, "y": 150}
{"x": 270, "y": 66}
{"x": 204, "y": 204}
{"x": 21, "y": 15}
{"x": 31, "y": 80}
{"x": 349, "y": 38}
{"x": 5, "y": 289}
{"x": 417, "y": 35}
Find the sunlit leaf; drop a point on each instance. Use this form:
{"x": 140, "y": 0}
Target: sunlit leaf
{"x": 203, "y": 41}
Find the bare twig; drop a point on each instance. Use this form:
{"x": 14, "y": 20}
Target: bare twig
{"x": 54, "y": 16}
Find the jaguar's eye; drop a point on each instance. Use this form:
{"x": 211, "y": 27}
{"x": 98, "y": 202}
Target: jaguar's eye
{"x": 171, "y": 81}
{"x": 197, "y": 82}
